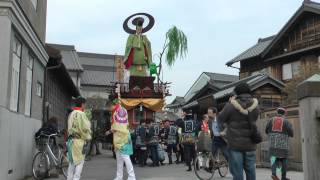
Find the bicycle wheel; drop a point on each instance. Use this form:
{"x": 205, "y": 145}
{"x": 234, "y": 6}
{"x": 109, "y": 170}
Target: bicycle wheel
{"x": 223, "y": 166}
{"x": 40, "y": 165}
{"x": 203, "y": 166}
{"x": 64, "y": 164}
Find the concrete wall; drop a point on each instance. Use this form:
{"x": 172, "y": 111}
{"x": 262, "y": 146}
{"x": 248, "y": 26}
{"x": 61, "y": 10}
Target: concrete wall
{"x": 5, "y": 40}
{"x": 17, "y": 130}
{"x": 37, "y": 17}
{"x": 309, "y": 106}
{"x": 17, "y": 144}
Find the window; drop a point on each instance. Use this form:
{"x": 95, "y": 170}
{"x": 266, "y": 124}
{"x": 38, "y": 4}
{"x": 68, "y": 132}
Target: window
{"x": 15, "y": 74}
{"x": 35, "y": 4}
{"x": 29, "y": 85}
{"x": 290, "y": 70}
{"x": 296, "y": 68}
{"x": 39, "y": 89}
{"x": 286, "y": 72}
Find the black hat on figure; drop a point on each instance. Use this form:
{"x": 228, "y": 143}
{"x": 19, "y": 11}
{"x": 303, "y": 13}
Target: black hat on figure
{"x": 138, "y": 21}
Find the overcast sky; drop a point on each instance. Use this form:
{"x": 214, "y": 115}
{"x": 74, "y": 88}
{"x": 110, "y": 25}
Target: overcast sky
{"x": 217, "y": 30}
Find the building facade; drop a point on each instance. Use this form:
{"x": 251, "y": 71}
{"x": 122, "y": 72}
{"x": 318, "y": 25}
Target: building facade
{"x": 290, "y": 56}
{"x": 60, "y": 89}
{"x": 23, "y": 60}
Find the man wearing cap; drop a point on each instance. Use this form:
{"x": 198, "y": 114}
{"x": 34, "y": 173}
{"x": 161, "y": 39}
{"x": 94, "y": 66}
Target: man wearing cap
{"x": 78, "y": 133}
{"x": 240, "y": 116}
{"x": 279, "y": 129}
{"x": 189, "y": 129}
{"x": 121, "y": 139}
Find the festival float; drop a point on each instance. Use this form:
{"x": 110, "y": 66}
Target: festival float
{"x": 137, "y": 88}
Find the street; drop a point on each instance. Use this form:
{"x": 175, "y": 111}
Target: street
{"x": 103, "y": 167}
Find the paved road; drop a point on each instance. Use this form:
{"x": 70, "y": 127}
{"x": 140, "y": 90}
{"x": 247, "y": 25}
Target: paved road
{"x": 103, "y": 167}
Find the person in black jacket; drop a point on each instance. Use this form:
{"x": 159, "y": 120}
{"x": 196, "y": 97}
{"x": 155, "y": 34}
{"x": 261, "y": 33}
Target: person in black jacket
{"x": 240, "y": 115}
{"x": 153, "y": 132}
{"x": 189, "y": 135}
{"x": 180, "y": 150}
{"x": 171, "y": 139}
{"x": 141, "y": 146}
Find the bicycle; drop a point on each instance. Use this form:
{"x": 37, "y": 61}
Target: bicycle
{"x": 206, "y": 164}
{"x": 50, "y": 155}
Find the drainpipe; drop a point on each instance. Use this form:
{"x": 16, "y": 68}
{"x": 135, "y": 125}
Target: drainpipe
{"x": 45, "y": 104}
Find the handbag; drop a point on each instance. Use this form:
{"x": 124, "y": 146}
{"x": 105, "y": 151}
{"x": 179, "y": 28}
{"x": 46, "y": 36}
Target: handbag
{"x": 204, "y": 143}
{"x": 255, "y": 134}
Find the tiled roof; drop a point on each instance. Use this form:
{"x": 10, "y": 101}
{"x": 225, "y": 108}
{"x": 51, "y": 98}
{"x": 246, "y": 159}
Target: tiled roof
{"x": 253, "y": 51}
{"x": 97, "y": 78}
{"x": 307, "y": 6}
{"x": 253, "y": 81}
{"x": 94, "y": 59}
{"x": 264, "y": 45}
{"x": 69, "y": 57}
{"x": 99, "y": 69}
{"x": 220, "y": 80}
{"x": 178, "y": 101}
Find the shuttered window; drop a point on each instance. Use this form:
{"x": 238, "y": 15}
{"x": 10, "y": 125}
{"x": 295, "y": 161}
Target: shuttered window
{"x": 286, "y": 72}
{"x": 291, "y": 70}
{"x": 29, "y": 85}
{"x": 15, "y": 74}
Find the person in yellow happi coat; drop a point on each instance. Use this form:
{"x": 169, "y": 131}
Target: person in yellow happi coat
{"x": 121, "y": 139}
{"x": 79, "y": 131}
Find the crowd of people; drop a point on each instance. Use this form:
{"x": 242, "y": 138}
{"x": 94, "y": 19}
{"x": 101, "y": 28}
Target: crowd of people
{"x": 233, "y": 131}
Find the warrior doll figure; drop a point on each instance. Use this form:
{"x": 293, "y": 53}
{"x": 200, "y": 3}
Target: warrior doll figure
{"x": 138, "y": 55}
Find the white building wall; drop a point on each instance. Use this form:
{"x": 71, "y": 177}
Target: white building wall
{"x": 5, "y": 39}
{"x": 17, "y": 144}
{"x": 16, "y": 130}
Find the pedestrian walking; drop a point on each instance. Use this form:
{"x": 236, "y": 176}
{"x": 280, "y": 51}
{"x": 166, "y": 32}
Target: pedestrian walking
{"x": 279, "y": 130}
{"x": 79, "y": 131}
{"x": 189, "y": 135}
{"x": 240, "y": 115}
{"x": 121, "y": 139}
{"x": 217, "y": 134}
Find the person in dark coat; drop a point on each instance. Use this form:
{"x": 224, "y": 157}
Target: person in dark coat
{"x": 141, "y": 143}
{"x": 180, "y": 150}
{"x": 279, "y": 130}
{"x": 153, "y": 142}
{"x": 171, "y": 139}
{"x": 189, "y": 135}
{"x": 240, "y": 115}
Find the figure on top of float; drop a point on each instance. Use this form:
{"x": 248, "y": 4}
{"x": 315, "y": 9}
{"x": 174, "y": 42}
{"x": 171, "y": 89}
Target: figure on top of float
{"x": 138, "y": 54}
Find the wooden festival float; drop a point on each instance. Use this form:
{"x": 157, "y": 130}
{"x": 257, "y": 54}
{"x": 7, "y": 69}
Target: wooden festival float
{"x": 135, "y": 87}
